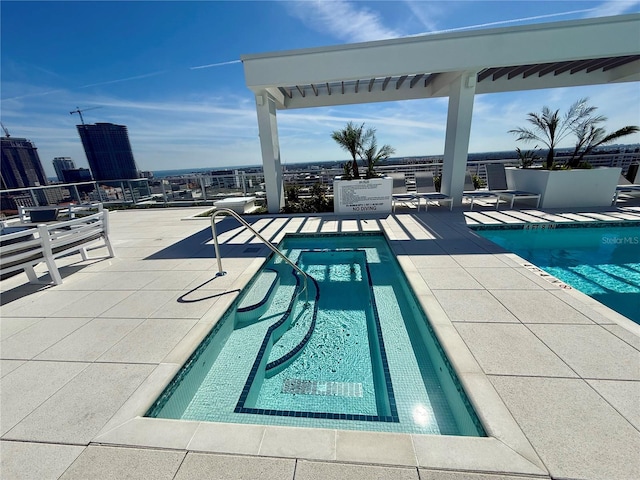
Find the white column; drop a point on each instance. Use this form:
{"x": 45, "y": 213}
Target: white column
{"x": 270, "y": 147}
{"x": 456, "y": 145}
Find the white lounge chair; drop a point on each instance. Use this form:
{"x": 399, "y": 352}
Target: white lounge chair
{"x": 629, "y": 187}
{"x": 399, "y": 193}
{"x": 470, "y": 192}
{"x": 425, "y": 188}
{"x": 497, "y": 183}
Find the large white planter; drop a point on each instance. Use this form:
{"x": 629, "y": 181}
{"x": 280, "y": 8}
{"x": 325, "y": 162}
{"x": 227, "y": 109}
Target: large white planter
{"x": 362, "y": 196}
{"x": 567, "y": 188}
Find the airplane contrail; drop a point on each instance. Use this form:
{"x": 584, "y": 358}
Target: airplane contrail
{"x": 123, "y": 79}
{"x": 502, "y": 22}
{"x": 215, "y": 64}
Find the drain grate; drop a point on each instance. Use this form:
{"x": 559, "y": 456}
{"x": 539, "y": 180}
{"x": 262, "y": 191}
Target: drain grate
{"x": 312, "y": 387}
{"x": 252, "y": 249}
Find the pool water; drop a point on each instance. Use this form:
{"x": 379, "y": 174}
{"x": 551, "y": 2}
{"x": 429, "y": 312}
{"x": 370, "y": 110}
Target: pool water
{"x": 603, "y": 262}
{"x": 353, "y": 352}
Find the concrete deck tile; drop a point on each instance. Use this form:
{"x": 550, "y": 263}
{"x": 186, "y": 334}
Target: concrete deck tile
{"x": 172, "y": 280}
{"x": 538, "y": 307}
{"x": 135, "y": 347}
{"x": 449, "y": 279}
{"x": 504, "y": 278}
{"x": 308, "y": 470}
{"x": 478, "y": 306}
{"x": 112, "y": 463}
{"x": 428, "y": 474}
{"x": 200, "y": 466}
{"x": 592, "y": 351}
{"x": 210, "y": 281}
{"x": 511, "y": 349}
{"x": 8, "y": 366}
{"x": 586, "y": 305}
{"x": 576, "y": 433}
{"x": 227, "y": 438}
{"x": 27, "y": 387}
{"x": 31, "y": 461}
{"x": 92, "y": 281}
{"x": 623, "y": 396}
{"x": 91, "y": 340}
{"x": 472, "y": 454}
{"x": 376, "y": 448}
{"x": 483, "y": 260}
{"x": 92, "y": 305}
{"x": 140, "y": 305}
{"x": 94, "y": 396}
{"x": 155, "y": 433}
{"x": 186, "y": 304}
{"x": 496, "y": 418}
{"x": 315, "y": 444}
{"x": 128, "y": 280}
{"x": 39, "y": 304}
{"x": 33, "y": 340}
{"x": 626, "y": 335}
{"x": 12, "y": 325}
{"x": 422, "y": 261}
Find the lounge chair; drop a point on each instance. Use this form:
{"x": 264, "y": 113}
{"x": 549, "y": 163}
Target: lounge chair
{"x": 470, "y": 192}
{"x": 399, "y": 193}
{"x": 628, "y": 186}
{"x": 497, "y": 183}
{"x": 425, "y": 188}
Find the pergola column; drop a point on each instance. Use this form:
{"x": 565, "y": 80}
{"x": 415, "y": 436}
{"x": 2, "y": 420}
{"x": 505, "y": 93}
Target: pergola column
{"x": 270, "y": 147}
{"x": 456, "y": 146}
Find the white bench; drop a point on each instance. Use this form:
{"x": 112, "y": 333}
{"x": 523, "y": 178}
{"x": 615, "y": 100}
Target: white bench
{"x": 237, "y": 204}
{"x": 26, "y": 246}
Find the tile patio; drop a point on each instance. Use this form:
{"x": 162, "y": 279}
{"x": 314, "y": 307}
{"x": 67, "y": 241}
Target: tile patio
{"x": 554, "y": 376}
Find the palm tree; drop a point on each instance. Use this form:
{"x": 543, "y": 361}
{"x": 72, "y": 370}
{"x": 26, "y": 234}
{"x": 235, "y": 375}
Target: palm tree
{"x": 372, "y": 155}
{"x": 590, "y": 136}
{"x": 549, "y": 128}
{"x": 351, "y": 139}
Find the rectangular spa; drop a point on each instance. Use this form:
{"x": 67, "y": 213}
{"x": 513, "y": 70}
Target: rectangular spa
{"x": 352, "y": 351}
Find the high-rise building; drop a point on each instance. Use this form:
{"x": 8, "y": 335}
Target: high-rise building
{"x": 60, "y": 164}
{"x": 108, "y": 151}
{"x": 21, "y": 166}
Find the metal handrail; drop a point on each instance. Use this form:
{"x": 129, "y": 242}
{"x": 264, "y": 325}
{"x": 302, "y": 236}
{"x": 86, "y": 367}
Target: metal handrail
{"x": 272, "y": 247}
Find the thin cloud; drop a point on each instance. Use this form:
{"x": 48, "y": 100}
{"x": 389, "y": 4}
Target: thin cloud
{"x": 506, "y": 22}
{"x": 137, "y": 77}
{"x": 426, "y": 12}
{"x": 614, "y": 7}
{"x": 344, "y": 20}
{"x": 59, "y": 90}
{"x": 215, "y": 64}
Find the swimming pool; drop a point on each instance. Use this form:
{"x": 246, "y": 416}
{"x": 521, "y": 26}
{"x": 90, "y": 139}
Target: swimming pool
{"x": 353, "y": 352}
{"x": 602, "y": 261}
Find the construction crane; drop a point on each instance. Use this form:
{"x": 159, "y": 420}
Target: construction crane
{"x": 6, "y": 132}
{"x": 79, "y": 112}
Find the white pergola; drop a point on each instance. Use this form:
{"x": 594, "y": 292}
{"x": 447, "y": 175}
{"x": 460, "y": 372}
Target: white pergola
{"x": 458, "y": 65}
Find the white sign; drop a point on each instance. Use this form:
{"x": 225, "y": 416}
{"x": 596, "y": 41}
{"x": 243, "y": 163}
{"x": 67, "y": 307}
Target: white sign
{"x": 362, "y": 196}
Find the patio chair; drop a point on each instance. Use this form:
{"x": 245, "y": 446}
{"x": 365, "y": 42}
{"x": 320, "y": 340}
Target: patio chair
{"x": 425, "y": 188}
{"x": 497, "y": 183}
{"x": 399, "y": 193}
{"x": 470, "y": 192}
{"x": 628, "y": 186}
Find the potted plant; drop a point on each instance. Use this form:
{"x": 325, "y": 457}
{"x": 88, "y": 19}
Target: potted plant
{"x": 371, "y": 194}
{"x": 572, "y": 182}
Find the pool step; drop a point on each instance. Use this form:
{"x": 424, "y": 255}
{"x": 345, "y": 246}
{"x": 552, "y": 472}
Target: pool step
{"x": 300, "y": 326}
{"x": 256, "y": 300}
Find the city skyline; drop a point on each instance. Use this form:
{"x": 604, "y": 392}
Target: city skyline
{"x": 172, "y": 75}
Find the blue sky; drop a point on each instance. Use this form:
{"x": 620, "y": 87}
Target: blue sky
{"x": 135, "y": 61}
